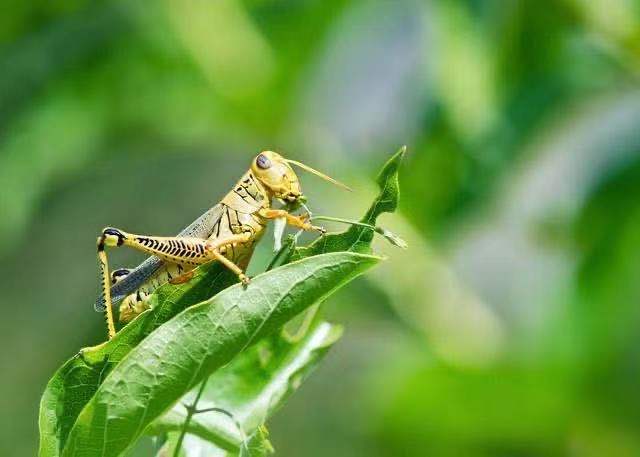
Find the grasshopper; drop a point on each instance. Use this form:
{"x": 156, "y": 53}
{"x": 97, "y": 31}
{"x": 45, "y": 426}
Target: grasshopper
{"x": 226, "y": 233}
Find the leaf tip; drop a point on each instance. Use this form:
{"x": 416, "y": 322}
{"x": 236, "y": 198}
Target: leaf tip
{"x": 391, "y": 167}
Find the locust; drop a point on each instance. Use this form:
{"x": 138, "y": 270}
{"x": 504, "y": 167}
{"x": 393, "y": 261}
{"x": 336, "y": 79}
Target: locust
{"x": 227, "y": 233}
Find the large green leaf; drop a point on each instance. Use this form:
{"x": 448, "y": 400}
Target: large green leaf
{"x": 251, "y": 387}
{"x": 201, "y": 339}
{"x": 73, "y": 385}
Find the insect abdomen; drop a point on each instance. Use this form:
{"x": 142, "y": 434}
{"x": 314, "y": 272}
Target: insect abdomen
{"x": 137, "y": 302}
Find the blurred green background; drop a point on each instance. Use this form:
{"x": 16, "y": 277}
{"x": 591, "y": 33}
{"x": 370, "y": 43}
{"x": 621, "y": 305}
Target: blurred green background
{"x": 511, "y": 325}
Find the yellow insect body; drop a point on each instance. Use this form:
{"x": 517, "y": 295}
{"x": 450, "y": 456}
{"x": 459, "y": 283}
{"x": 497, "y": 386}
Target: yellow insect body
{"x": 227, "y": 233}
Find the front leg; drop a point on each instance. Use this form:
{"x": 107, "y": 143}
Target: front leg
{"x": 295, "y": 221}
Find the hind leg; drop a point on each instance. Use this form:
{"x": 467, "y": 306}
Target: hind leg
{"x": 186, "y": 251}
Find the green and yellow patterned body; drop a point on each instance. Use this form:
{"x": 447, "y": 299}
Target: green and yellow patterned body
{"x": 238, "y": 213}
{"x": 227, "y": 233}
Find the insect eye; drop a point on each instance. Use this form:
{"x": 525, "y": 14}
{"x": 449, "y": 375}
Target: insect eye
{"x": 263, "y": 162}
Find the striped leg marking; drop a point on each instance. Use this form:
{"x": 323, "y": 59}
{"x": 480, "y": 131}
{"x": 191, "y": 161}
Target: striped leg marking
{"x": 182, "y": 251}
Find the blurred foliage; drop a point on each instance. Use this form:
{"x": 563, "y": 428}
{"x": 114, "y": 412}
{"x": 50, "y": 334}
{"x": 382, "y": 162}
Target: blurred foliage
{"x": 510, "y": 326}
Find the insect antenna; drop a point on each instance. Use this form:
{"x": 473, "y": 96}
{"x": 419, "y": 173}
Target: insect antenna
{"x": 317, "y": 173}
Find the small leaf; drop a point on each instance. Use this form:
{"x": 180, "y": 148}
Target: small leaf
{"x": 358, "y": 238}
{"x": 201, "y": 339}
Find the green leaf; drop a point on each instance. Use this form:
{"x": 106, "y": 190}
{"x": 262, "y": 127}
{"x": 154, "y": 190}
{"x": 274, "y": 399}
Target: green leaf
{"x": 73, "y": 385}
{"x": 252, "y": 387}
{"x": 198, "y": 341}
{"x": 357, "y": 238}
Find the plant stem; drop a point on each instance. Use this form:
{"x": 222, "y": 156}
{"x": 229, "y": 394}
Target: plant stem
{"x": 191, "y": 410}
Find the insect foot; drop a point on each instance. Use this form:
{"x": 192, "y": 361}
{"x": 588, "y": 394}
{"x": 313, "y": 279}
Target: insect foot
{"x": 244, "y": 279}
{"x": 308, "y": 227}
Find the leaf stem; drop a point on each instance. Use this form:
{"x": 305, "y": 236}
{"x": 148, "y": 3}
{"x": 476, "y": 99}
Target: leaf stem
{"x": 390, "y": 236}
{"x": 191, "y": 410}
{"x": 344, "y": 221}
